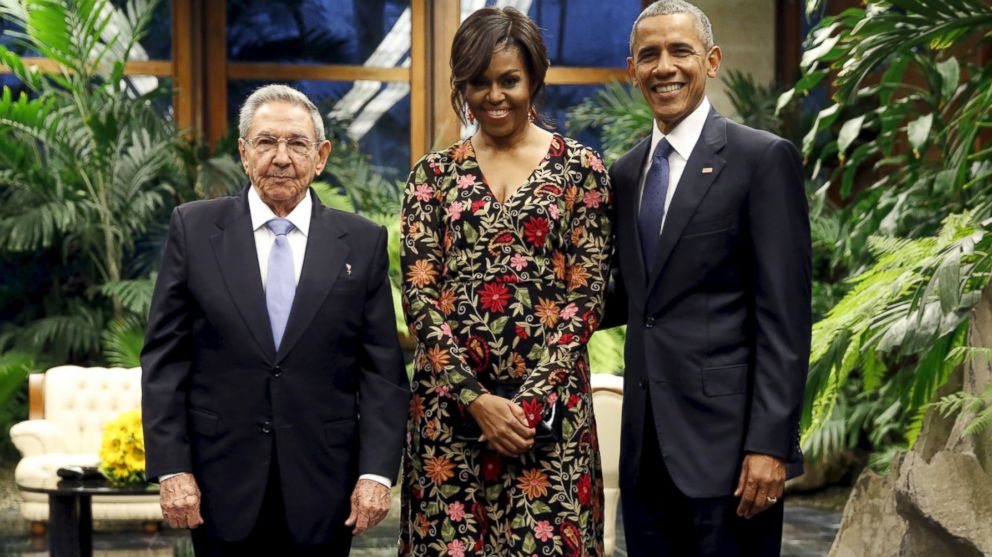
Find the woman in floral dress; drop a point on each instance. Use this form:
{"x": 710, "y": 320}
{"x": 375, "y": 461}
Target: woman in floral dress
{"x": 506, "y": 246}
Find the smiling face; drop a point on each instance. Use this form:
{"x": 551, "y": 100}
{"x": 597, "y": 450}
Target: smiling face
{"x": 280, "y": 176}
{"x": 499, "y": 99}
{"x": 670, "y": 65}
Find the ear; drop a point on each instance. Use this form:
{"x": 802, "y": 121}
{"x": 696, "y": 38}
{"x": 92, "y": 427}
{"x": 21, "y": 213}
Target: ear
{"x": 713, "y": 59}
{"x": 632, "y": 71}
{"x": 323, "y": 152}
{"x": 242, "y": 151}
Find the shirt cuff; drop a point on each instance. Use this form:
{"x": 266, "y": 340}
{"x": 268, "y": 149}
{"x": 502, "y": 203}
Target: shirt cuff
{"x": 164, "y": 477}
{"x": 378, "y": 479}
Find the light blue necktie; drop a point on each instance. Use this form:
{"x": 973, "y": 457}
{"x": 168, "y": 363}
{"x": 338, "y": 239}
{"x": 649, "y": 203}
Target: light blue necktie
{"x": 280, "y": 285}
{"x": 653, "y": 203}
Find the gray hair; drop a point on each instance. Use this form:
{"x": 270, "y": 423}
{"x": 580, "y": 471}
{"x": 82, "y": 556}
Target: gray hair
{"x": 277, "y": 93}
{"x": 669, "y": 7}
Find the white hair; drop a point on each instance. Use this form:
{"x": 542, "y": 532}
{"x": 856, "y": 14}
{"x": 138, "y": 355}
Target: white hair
{"x": 277, "y": 93}
{"x": 669, "y": 7}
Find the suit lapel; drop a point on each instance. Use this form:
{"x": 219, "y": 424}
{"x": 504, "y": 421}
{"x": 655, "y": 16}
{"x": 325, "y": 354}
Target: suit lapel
{"x": 234, "y": 249}
{"x": 326, "y": 255}
{"x": 691, "y": 189}
{"x": 629, "y": 176}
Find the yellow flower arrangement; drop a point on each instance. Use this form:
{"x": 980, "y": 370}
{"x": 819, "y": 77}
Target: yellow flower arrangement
{"x": 122, "y": 451}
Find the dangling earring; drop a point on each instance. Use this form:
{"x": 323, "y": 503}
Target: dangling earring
{"x": 469, "y": 117}
{"x": 532, "y": 113}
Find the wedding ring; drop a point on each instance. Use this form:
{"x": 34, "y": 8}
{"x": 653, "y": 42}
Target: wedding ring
{"x": 771, "y": 500}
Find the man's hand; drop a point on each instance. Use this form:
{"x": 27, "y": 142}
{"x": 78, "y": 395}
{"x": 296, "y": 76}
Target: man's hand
{"x": 761, "y": 484}
{"x": 369, "y": 505}
{"x": 180, "y": 500}
{"x": 503, "y": 423}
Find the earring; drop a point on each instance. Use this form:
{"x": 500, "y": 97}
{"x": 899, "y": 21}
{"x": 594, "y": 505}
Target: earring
{"x": 469, "y": 117}
{"x": 532, "y": 113}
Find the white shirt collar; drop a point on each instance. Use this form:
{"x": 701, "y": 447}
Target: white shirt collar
{"x": 685, "y": 135}
{"x": 261, "y": 213}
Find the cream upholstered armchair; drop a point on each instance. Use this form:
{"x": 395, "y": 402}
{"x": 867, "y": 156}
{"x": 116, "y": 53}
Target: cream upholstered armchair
{"x": 69, "y": 406}
{"x": 607, "y": 400}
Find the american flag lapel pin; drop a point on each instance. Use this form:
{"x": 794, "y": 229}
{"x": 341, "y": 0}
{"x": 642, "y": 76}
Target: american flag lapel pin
{"x": 347, "y": 268}
{"x": 707, "y": 170}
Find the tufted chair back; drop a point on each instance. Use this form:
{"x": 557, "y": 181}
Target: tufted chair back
{"x": 80, "y": 401}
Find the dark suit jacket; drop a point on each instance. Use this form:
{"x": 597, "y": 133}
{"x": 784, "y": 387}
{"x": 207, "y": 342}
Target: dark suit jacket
{"x": 216, "y": 396}
{"x": 719, "y": 331}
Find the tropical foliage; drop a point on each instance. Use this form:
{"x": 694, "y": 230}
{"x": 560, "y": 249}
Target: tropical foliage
{"x": 900, "y": 218}
{"x": 89, "y": 170}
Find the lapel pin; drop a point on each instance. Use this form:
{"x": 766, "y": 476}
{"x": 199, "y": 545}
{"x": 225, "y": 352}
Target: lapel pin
{"x": 707, "y": 169}
{"x": 347, "y": 268}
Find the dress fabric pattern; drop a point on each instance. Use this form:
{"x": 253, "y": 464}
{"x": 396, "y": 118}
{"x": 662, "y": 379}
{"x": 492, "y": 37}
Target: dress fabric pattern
{"x": 503, "y": 292}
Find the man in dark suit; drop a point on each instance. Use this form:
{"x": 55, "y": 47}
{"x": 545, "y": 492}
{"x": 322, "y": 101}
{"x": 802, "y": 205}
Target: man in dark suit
{"x": 273, "y": 390}
{"x": 713, "y": 281}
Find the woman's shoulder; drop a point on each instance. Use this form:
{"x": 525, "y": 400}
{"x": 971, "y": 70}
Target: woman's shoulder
{"x": 582, "y": 155}
{"x": 455, "y": 153}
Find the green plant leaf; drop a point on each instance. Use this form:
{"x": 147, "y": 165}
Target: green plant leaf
{"x": 918, "y": 131}
{"x": 848, "y": 133}
{"x": 950, "y": 74}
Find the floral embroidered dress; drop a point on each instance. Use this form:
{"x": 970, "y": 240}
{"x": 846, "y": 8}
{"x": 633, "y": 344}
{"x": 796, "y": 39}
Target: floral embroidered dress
{"x": 503, "y": 292}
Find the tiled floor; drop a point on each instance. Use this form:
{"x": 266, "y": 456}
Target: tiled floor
{"x": 808, "y": 532}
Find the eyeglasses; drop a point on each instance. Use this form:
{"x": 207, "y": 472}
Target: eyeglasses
{"x": 266, "y": 144}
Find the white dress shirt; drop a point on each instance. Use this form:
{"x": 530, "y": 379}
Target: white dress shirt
{"x": 297, "y": 238}
{"x": 683, "y": 140}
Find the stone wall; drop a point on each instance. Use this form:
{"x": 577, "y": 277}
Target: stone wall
{"x": 938, "y": 498}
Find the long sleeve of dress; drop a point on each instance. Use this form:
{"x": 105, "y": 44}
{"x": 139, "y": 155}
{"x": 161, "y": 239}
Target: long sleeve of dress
{"x": 585, "y": 271}
{"x": 422, "y": 260}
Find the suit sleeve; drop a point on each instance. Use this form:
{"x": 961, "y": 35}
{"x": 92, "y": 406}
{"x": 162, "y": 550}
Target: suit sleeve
{"x": 615, "y": 314}
{"x": 585, "y": 273}
{"x": 384, "y": 391}
{"x": 778, "y": 218}
{"x": 422, "y": 261}
{"x": 165, "y": 361}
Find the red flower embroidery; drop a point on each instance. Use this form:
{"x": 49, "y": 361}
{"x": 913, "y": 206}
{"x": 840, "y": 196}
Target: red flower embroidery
{"x": 522, "y": 332}
{"x": 536, "y": 230}
{"x": 532, "y": 410}
{"x": 495, "y": 296}
{"x": 492, "y": 467}
{"x": 584, "y": 489}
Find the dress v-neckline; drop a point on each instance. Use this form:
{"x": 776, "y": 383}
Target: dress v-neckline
{"x": 527, "y": 181}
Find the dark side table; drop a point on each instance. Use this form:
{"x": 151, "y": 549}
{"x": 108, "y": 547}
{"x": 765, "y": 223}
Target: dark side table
{"x": 70, "y": 512}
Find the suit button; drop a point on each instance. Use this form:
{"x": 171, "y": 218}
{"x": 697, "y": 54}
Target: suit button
{"x": 642, "y": 384}
{"x": 266, "y": 427}
{"x": 277, "y": 371}
{"x": 649, "y": 322}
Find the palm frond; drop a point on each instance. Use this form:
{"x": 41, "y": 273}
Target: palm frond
{"x": 122, "y": 342}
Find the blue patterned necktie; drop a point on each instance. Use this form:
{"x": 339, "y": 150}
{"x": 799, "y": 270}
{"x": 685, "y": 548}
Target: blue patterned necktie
{"x": 653, "y": 203}
{"x": 280, "y": 284}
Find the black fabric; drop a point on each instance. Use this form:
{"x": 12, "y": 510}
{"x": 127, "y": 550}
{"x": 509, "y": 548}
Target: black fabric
{"x": 220, "y": 401}
{"x": 718, "y": 336}
{"x": 660, "y": 521}
{"x": 270, "y": 535}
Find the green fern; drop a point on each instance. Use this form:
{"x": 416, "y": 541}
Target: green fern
{"x": 122, "y": 342}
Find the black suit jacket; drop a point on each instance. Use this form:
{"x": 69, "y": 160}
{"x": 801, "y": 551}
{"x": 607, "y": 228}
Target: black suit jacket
{"x": 216, "y": 396}
{"x": 719, "y": 330}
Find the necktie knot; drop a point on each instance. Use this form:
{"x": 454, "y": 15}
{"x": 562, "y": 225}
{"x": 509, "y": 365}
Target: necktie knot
{"x": 662, "y": 150}
{"x": 280, "y": 226}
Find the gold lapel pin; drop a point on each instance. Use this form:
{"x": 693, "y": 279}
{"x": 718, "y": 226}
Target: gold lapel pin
{"x": 707, "y": 169}
{"x": 347, "y": 268}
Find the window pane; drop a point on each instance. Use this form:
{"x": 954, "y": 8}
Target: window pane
{"x": 373, "y": 114}
{"x": 157, "y": 42}
{"x": 156, "y": 45}
{"x": 574, "y": 29}
{"x": 374, "y": 33}
{"x": 558, "y": 99}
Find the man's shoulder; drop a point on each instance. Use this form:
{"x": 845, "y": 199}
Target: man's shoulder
{"x": 634, "y": 155}
{"x": 353, "y": 223}
{"x": 207, "y": 208}
{"x": 752, "y": 141}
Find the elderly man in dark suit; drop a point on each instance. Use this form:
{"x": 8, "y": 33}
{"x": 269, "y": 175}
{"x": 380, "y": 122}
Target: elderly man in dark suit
{"x": 713, "y": 281}
{"x": 273, "y": 389}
